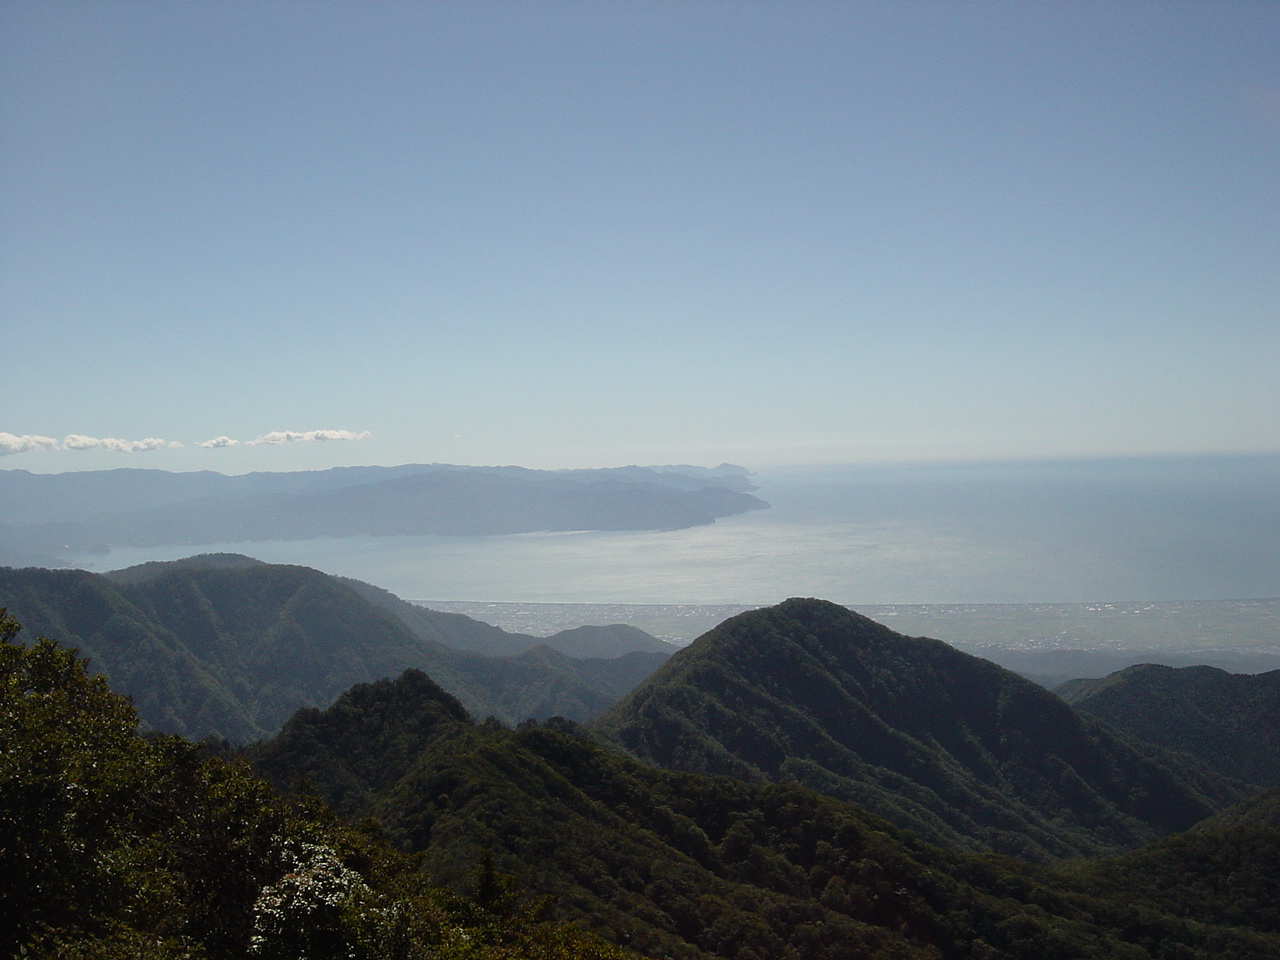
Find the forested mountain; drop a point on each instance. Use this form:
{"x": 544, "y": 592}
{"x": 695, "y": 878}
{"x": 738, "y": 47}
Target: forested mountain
{"x": 365, "y": 742}
{"x": 119, "y": 847}
{"x": 692, "y": 866}
{"x": 950, "y": 746}
{"x": 50, "y": 515}
{"x": 115, "y": 846}
{"x": 1222, "y": 871}
{"x": 228, "y": 647}
{"x": 1230, "y": 721}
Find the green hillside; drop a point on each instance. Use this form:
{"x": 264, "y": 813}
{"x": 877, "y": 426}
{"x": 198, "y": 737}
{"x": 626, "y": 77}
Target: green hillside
{"x": 691, "y": 866}
{"x": 1222, "y": 872}
{"x": 950, "y": 746}
{"x": 226, "y": 647}
{"x": 1230, "y": 721}
{"x": 119, "y": 847}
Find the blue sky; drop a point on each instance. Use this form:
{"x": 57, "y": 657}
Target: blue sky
{"x": 569, "y": 234}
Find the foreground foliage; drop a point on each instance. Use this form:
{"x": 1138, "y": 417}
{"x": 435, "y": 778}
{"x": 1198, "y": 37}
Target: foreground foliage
{"x": 113, "y": 845}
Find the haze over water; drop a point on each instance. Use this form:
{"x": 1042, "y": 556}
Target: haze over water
{"x": 1158, "y": 529}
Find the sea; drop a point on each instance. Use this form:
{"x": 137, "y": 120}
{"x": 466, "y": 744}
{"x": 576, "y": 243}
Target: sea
{"x": 1167, "y": 529}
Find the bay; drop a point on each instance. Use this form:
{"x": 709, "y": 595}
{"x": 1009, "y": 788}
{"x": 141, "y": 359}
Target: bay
{"x": 1205, "y": 528}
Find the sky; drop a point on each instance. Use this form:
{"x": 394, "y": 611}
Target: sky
{"x": 278, "y": 236}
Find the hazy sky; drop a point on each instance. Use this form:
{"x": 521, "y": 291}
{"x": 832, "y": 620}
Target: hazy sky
{"x": 565, "y": 234}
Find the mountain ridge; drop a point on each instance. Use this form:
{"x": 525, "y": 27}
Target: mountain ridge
{"x": 187, "y": 856}
{"x": 694, "y": 866}
{"x": 224, "y": 647}
{"x": 1229, "y": 721}
{"x": 953, "y": 747}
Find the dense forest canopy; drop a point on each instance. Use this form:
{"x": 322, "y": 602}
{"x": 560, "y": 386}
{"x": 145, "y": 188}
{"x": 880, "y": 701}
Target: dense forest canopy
{"x": 392, "y": 824}
{"x": 1229, "y": 721}
{"x": 114, "y": 845}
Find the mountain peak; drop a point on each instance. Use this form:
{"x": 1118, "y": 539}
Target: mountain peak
{"x": 365, "y": 741}
{"x": 939, "y": 741}
{"x": 201, "y": 561}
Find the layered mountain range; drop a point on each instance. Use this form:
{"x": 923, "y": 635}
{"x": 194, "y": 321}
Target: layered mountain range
{"x": 800, "y": 782}
{"x": 227, "y": 647}
{"x": 697, "y": 866}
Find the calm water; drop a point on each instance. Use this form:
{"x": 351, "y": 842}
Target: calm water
{"x": 1170, "y": 529}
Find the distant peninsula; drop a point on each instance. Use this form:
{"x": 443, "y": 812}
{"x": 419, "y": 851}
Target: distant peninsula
{"x": 45, "y": 517}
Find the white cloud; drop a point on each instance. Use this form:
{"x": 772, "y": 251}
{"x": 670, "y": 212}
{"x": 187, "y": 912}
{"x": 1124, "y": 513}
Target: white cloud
{"x": 9, "y": 443}
{"x": 292, "y": 436}
{"x": 77, "y": 441}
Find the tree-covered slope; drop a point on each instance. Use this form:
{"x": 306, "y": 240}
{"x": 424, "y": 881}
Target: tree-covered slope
{"x": 1221, "y": 872}
{"x": 220, "y": 647}
{"x": 948, "y": 745}
{"x": 174, "y": 688}
{"x": 538, "y": 683}
{"x": 119, "y": 847}
{"x": 1230, "y": 721}
{"x": 116, "y": 846}
{"x": 691, "y": 866}
{"x": 364, "y": 742}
